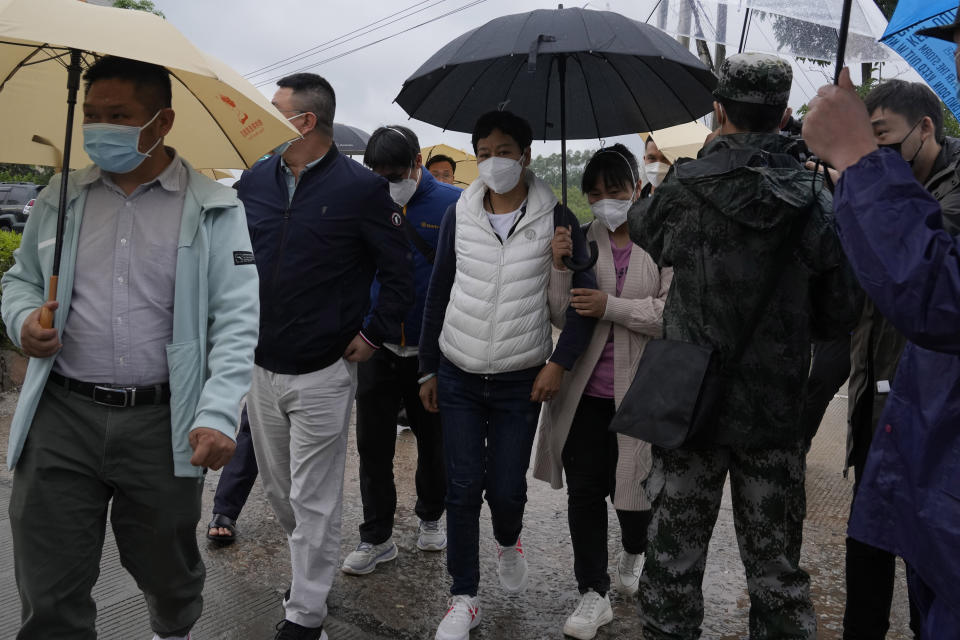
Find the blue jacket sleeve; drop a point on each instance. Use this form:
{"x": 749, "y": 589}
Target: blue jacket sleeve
{"x": 438, "y": 293}
{"x": 892, "y": 231}
{"x": 578, "y": 329}
{"x": 387, "y": 244}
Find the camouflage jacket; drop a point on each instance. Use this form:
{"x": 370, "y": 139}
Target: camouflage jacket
{"x": 719, "y": 221}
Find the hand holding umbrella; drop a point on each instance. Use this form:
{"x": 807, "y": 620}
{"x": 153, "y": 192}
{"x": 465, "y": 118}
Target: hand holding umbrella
{"x": 46, "y": 43}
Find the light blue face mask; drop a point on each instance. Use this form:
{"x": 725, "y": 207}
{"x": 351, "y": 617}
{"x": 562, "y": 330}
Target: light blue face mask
{"x": 283, "y": 146}
{"x": 115, "y": 148}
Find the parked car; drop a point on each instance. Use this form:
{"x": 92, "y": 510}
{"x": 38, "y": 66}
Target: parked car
{"x": 16, "y": 199}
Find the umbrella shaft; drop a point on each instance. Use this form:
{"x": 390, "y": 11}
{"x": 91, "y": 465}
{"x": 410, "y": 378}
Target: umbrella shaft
{"x": 73, "y": 87}
{"x": 842, "y": 40}
{"x": 562, "y": 72}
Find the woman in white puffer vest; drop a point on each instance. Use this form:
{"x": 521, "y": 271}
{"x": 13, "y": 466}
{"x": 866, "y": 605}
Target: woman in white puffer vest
{"x": 484, "y": 350}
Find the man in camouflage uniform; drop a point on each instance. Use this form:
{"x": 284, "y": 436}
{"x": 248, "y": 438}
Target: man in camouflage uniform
{"x": 720, "y": 221}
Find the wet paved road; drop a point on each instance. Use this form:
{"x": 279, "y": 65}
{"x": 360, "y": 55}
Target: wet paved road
{"x": 405, "y": 598}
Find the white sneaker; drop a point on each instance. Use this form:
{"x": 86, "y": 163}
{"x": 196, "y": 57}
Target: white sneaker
{"x": 157, "y": 637}
{"x": 462, "y": 616}
{"x": 592, "y": 612}
{"x": 432, "y": 536}
{"x": 367, "y": 556}
{"x": 627, "y": 576}
{"x": 512, "y": 568}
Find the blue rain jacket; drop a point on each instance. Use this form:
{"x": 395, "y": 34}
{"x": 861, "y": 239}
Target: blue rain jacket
{"x": 909, "y": 497}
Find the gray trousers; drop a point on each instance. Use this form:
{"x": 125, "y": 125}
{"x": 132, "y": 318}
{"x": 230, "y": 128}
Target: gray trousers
{"x": 299, "y": 429}
{"x": 79, "y": 458}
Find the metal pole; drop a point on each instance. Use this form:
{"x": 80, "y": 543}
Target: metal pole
{"x": 73, "y": 87}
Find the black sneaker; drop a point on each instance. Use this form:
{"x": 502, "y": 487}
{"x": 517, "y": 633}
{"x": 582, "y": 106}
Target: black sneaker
{"x": 287, "y": 630}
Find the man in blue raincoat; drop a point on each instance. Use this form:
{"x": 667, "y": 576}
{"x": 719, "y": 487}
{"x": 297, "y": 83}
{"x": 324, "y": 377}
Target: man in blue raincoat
{"x": 892, "y": 231}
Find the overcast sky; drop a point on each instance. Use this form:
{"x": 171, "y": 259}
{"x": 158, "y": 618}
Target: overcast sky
{"x": 249, "y": 34}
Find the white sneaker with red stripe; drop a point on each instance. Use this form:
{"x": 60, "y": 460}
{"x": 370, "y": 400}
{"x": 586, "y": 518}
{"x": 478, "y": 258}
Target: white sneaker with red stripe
{"x": 512, "y": 568}
{"x": 462, "y": 616}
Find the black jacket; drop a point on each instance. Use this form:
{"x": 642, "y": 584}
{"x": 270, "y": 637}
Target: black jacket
{"x": 317, "y": 256}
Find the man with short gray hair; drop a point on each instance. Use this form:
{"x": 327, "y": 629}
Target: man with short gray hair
{"x": 321, "y": 226}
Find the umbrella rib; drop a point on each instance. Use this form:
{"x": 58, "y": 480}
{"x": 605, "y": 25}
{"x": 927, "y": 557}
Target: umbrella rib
{"x": 20, "y": 65}
{"x": 197, "y": 98}
{"x": 510, "y": 84}
{"x": 453, "y": 112}
{"x": 546, "y": 97}
{"x": 593, "y": 109}
{"x": 627, "y": 85}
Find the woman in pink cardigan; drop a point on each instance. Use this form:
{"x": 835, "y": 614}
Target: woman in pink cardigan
{"x": 574, "y": 439}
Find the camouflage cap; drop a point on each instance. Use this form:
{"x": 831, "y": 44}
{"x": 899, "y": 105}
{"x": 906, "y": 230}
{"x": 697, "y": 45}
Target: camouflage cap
{"x": 755, "y": 78}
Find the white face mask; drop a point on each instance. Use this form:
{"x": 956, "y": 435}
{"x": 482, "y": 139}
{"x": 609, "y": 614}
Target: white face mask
{"x": 403, "y": 190}
{"x": 610, "y": 212}
{"x": 656, "y": 172}
{"x": 500, "y": 174}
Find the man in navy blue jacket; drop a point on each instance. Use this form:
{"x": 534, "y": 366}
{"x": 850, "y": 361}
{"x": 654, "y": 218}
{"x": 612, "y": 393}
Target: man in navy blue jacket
{"x": 893, "y": 232}
{"x": 391, "y": 375}
{"x": 321, "y": 226}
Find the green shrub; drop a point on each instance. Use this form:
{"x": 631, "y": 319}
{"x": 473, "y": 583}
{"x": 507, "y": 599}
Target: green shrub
{"x": 9, "y": 242}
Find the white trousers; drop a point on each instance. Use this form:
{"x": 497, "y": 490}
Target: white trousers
{"x": 299, "y": 428}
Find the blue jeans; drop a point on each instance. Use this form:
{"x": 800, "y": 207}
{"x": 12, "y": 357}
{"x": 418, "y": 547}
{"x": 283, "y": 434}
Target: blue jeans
{"x": 488, "y": 427}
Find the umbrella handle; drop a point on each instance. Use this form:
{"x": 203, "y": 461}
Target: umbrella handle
{"x": 46, "y": 315}
{"x": 571, "y": 264}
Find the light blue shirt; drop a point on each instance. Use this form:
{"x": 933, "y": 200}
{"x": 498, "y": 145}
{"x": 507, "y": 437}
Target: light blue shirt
{"x": 292, "y": 179}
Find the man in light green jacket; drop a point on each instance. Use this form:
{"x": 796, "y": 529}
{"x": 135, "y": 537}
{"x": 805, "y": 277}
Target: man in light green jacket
{"x": 136, "y": 388}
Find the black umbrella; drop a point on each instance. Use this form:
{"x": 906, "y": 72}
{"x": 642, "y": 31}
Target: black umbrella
{"x": 573, "y": 73}
{"x": 350, "y": 140}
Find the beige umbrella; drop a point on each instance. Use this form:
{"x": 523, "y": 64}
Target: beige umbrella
{"x": 222, "y": 120}
{"x": 681, "y": 141}
{"x": 466, "y": 169}
{"x": 215, "y": 174}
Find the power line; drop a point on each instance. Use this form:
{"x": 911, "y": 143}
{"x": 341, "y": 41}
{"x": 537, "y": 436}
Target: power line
{"x": 469, "y": 5}
{"x": 329, "y": 44}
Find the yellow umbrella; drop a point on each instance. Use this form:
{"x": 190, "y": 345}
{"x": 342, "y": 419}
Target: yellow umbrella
{"x": 466, "y": 169}
{"x": 222, "y": 120}
{"x": 215, "y": 174}
{"x": 681, "y": 141}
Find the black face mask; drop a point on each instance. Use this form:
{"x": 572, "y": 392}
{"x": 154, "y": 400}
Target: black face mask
{"x": 898, "y": 146}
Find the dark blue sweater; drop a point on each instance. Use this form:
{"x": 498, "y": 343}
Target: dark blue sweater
{"x": 317, "y": 257}
{"x": 423, "y": 213}
{"x": 576, "y": 333}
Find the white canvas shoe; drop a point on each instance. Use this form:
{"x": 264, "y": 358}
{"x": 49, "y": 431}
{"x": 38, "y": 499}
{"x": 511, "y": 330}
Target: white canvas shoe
{"x": 592, "y": 612}
{"x": 627, "y": 576}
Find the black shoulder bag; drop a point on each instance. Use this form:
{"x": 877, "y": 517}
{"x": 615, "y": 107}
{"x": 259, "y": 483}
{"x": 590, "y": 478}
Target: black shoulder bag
{"x": 676, "y": 394}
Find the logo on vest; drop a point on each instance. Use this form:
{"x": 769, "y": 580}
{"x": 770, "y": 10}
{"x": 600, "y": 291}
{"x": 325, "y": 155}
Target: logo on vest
{"x": 529, "y": 234}
{"x": 396, "y": 219}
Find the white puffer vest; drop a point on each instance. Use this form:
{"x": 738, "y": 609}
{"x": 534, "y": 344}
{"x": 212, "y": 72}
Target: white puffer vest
{"x": 498, "y": 319}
